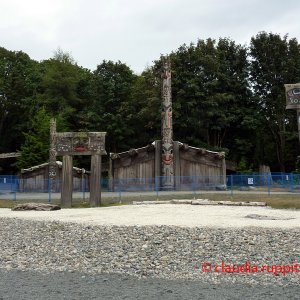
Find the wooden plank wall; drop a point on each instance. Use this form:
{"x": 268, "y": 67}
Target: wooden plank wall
{"x": 190, "y": 165}
{"x": 201, "y": 168}
{"x": 37, "y": 180}
{"x": 127, "y": 168}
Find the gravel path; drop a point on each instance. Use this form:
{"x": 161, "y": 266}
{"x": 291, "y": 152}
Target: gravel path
{"x": 60, "y": 260}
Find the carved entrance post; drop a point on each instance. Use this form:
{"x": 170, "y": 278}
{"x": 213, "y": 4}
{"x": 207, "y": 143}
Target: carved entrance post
{"x": 81, "y": 143}
{"x": 95, "y": 187}
{"x": 167, "y": 129}
{"x": 67, "y": 181}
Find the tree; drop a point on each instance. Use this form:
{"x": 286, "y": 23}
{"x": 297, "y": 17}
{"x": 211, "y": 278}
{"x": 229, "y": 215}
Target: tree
{"x": 210, "y": 92}
{"x": 65, "y": 89}
{"x": 19, "y": 79}
{"x": 144, "y": 106}
{"x": 275, "y": 60}
{"x": 35, "y": 149}
{"x": 112, "y": 88}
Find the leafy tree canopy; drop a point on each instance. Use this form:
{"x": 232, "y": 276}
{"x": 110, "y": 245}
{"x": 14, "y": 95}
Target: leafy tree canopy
{"x": 225, "y": 97}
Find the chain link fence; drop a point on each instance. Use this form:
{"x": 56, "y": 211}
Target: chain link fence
{"x": 15, "y": 188}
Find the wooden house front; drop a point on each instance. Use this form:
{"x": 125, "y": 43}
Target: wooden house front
{"x": 36, "y": 179}
{"x": 140, "y": 169}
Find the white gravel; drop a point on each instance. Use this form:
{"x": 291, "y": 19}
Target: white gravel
{"x": 166, "y": 214}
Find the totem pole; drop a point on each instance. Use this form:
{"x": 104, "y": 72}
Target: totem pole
{"x": 52, "y": 155}
{"x": 167, "y": 129}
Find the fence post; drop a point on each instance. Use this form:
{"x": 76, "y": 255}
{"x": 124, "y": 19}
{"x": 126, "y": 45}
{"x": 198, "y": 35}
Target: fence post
{"x": 231, "y": 185}
{"x": 120, "y": 192}
{"x": 194, "y": 186}
{"x": 269, "y": 184}
{"x": 83, "y": 187}
{"x": 292, "y": 182}
{"x": 156, "y": 186}
{"x": 49, "y": 189}
{"x": 11, "y": 183}
{"x": 14, "y": 186}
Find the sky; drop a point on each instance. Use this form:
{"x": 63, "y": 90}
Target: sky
{"x": 136, "y": 32}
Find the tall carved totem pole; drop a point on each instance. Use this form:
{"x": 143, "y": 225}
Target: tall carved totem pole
{"x": 167, "y": 128}
{"x": 52, "y": 155}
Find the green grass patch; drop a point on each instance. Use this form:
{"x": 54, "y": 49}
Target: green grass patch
{"x": 285, "y": 201}
{"x": 7, "y": 203}
{"x": 84, "y": 204}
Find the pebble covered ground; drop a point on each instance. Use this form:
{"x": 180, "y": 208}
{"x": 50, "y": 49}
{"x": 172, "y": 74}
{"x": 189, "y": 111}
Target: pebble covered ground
{"x": 167, "y": 252}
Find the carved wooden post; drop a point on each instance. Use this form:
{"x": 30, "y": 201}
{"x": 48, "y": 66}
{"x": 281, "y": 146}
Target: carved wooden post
{"x": 52, "y": 156}
{"x": 95, "y": 180}
{"x": 167, "y": 129}
{"x": 67, "y": 181}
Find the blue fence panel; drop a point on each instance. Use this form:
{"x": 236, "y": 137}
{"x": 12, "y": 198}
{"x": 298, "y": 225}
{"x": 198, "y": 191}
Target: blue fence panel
{"x": 134, "y": 184}
{"x": 8, "y": 183}
{"x": 261, "y": 182}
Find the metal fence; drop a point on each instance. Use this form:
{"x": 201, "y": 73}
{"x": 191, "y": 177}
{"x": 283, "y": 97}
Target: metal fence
{"x": 13, "y": 187}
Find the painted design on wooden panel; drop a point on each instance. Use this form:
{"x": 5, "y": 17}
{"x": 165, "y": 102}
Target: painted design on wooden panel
{"x": 80, "y": 143}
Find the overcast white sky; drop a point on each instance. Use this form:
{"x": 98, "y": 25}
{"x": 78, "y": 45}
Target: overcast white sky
{"x": 136, "y": 32}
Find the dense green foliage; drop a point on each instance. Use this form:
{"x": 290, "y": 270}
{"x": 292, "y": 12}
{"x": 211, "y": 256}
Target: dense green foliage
{"x": 36, "y": 144}
{"x": 275, "y": 61}
{"x": 225, "y": 97}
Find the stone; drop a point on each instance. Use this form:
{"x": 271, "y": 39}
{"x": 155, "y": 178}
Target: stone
{"x": 175, "y": 201}
{"x": 221, "y": 187}
{"x": 36, "y": 206}
{"x": 262, "y": 217}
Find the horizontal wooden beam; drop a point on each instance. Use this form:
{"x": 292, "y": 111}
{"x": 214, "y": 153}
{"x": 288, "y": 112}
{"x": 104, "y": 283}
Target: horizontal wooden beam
{"x": 8, "y": 155}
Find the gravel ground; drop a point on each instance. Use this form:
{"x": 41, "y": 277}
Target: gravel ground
{"x": 166, "y": 214}
{"x": 15, "y": 285}
{"x": 60, "y": 260}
